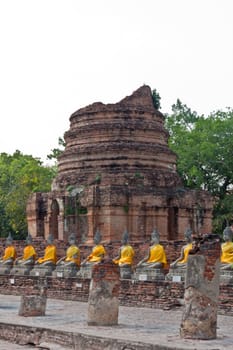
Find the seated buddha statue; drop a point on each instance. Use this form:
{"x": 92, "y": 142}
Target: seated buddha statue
{"x": 72, "y": 256}
{"x": 24, "y": 264}
{"x": 69, "y": 264}
{"x": 7, "y": 260}
{"x": 226, "y": 260}
{"x": 46, "y": 264}
{"x": 181, "y": 262}
{"x": 126, "y": 252}
{"x": 50, "y": 253}
{"x": 29, "y": 253}
{"x": 156, "y": 257}
{"x": 97, "y": 253}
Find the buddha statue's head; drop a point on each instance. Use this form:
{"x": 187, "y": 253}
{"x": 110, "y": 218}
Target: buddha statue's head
{"x": 155, "y": 237}
{"x": 50, "y": 239}
{"x": 9, "y": 240}
{"x": 29, "y": 239}
{"x": 227, "y": 234}
{"x": 97, "y": 237}
{"x": 188, "y": 235}
{"x": 125, "y": 237}
{"x": 72, "y": 239}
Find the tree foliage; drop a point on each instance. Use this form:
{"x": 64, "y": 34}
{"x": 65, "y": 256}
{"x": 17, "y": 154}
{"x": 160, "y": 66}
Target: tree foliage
{"x": 156, "y": 99}
{"x": 55, "y": 152}
{"x": 20, "y": 175}
{"x": 204, "y": 146}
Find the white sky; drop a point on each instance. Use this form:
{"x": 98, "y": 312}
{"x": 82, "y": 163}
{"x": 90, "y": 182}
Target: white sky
{"x": 60, "y": 55}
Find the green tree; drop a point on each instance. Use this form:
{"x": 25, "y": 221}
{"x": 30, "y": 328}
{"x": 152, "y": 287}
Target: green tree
{"x": 204, "y": 146}
{"x": 55, "y": 152}
{"x": 156, "y": 99}
{"x": 20, "y": 175}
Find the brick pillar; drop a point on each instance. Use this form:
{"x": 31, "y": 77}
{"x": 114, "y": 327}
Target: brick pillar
{"x": 199, "y": 319}
{"x": 103, "y": 304}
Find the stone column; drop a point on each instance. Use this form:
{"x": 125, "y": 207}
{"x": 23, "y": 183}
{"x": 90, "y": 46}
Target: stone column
{"x": 199, "y": 319}
{"x": 103, "y": 303}
{"x": 34, "y": 305}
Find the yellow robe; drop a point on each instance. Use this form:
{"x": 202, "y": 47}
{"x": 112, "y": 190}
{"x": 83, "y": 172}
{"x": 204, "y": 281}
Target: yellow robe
{"x": 71, "y": 251}
{"x": 227, "y": 253}
{"x": 10, "y": 252}
{"x": 187, "y": 249}
{"x": 157, "y": 254}
{"x": 97, "y": 252}
{"x": 127, "y": 255}
{"x": 29, "y": 252}
{"x": 50, "y": 254}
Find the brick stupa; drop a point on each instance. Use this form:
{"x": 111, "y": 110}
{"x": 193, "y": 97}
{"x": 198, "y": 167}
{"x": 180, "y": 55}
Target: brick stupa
{"x": 117, "y": 172}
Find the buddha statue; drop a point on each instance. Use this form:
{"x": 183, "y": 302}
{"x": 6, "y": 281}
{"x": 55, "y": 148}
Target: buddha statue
{"x": 177, "y": 271}
{"x": 156, "y": 257}
{"x": 125, "y": 257}
{"x": 226, "y": 260}
{"x": 181, "y": 262}
{"x": 7, "y": 260}
{"x": 97, "y": 253}
{"x": 96, "y": 256}
{"x": 151, "y": 267}
{"x": 126, "y": 252}
{"x": 24, "y": 264}
{"x": 46, "y": 264}
{"x": 68, "y": 265}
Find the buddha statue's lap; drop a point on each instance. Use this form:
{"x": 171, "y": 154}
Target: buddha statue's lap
{"x": 151, "y": 267}
{"x": 44, "y": 266}
{"x": 125, "y": 257}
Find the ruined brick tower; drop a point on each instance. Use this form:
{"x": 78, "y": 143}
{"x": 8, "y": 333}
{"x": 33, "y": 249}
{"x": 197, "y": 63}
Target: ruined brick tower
{"x": 117, "y": 172}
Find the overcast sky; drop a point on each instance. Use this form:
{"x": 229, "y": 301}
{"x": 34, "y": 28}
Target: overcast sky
{"x": 60, "y": 55}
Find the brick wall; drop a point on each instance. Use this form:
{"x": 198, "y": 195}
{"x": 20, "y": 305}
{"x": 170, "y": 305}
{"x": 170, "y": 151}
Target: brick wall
{"x": 161, "y": 294}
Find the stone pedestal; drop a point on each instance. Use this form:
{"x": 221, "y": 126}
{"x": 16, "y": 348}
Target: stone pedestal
{"x": 65, "y": 271}
{"x": 42, "y": 271}
{"x": 126, "y": 272}
{"x": 5, "y": 269}
{"x": 199, "y": 319}
{"x": 226, "y": 276}
{"x": 148, "y": 274}
{"x": 103, "y": 304}
{"x": 176, "y": 275}
{"x": 21, "y": 270}
{"x": 85, "y": 271}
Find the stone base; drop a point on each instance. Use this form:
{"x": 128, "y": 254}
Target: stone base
{"x": 42, "y": 271}
{"x": 105, "y": 313}
{"x": 226, "y": 276}
{"x": 5, "y": 269}
{"x": 32, "y": 305}
{"x": 85, "y": 272}
{"x": 65, "y": 271}
{"x": 126, "y": 272}
{"x": 148, "y": 274}
{"x": 21, "y": 270}
{"x": 176, "y": 275}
